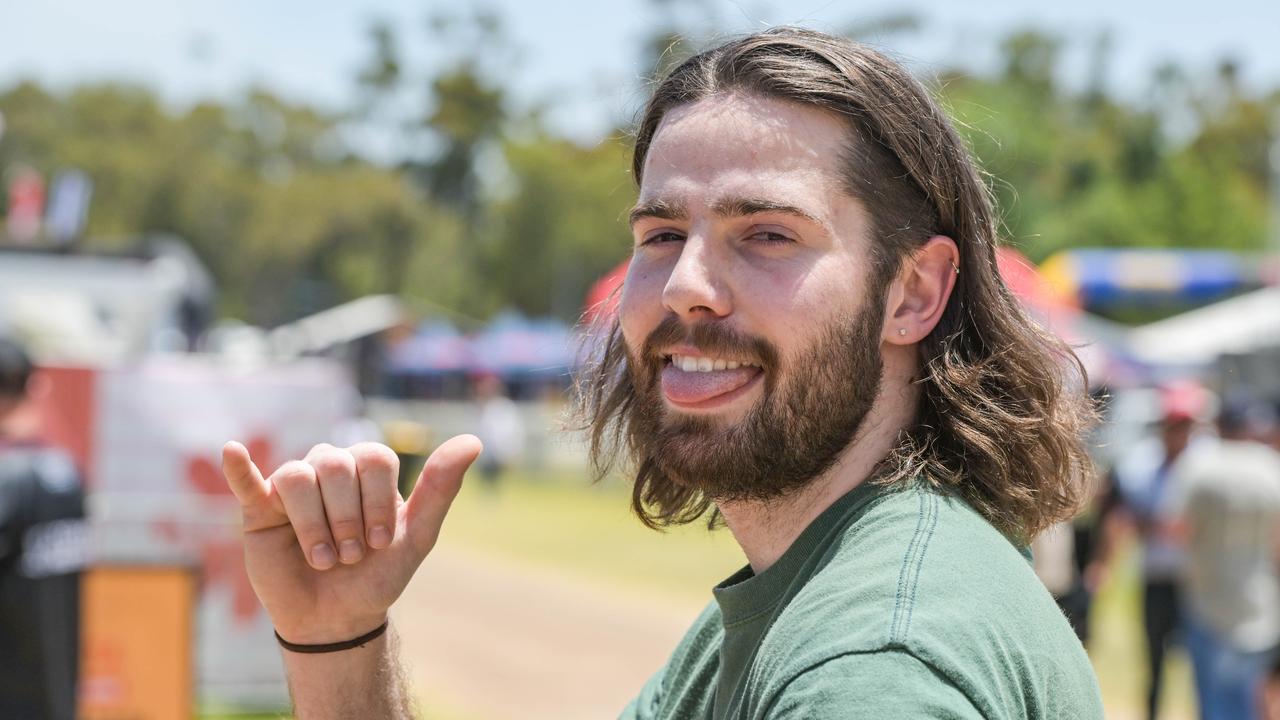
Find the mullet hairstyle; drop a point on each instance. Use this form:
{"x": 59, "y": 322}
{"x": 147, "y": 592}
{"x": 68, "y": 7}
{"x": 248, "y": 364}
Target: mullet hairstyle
{"x": 1003, "y": 406}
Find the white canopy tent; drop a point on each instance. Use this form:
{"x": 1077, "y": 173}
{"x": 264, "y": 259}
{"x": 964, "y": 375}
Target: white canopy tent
{"x": 1237, "y": 325}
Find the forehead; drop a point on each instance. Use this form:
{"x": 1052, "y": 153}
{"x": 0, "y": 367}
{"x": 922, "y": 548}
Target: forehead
{"x": 735, "y": 144}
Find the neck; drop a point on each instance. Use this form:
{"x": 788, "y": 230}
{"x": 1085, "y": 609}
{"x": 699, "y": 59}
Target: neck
{"x": 766, "y": 528}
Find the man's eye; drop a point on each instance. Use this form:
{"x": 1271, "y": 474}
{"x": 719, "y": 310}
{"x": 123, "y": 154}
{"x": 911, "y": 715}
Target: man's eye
{"x": 663, "y": 237}
{"x": 771, "y": 238}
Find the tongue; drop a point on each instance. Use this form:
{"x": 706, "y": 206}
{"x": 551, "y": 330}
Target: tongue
{"x": 694, "y": 387}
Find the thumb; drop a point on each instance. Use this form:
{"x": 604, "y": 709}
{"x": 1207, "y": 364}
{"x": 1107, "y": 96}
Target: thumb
{"x": 437, "y": 486}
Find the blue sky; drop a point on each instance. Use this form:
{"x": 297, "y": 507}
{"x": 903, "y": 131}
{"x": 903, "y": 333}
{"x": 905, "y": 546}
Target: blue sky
{"x": 583, "y": 53}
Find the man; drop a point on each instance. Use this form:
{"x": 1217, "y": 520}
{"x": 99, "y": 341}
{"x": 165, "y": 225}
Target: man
{"x": 41, "y": 554}
{"x": 814, "y": 347}
{"x": 1143, "y": 481}
{"x": 500, "y": 428}
{"x": 1228, "y": 499}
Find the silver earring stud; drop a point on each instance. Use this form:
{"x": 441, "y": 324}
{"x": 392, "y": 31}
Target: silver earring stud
{"x": 902, "y": 331}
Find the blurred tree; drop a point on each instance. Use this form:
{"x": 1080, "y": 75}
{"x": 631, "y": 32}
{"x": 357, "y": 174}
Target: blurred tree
{"x": 382, "y": 73}
{"x": 561, "y": 227}
{"x": 466, "y": 111}
{"x": 287, "y": 218}
{"x": 475, "y": 204}
{"x": 1078, "y": 169}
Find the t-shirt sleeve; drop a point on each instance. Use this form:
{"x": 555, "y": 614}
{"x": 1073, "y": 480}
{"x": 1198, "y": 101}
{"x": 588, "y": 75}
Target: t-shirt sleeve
{"x": 885, "y": 684}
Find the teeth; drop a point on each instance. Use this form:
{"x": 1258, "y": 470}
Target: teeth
{"x": 706, "y": 364}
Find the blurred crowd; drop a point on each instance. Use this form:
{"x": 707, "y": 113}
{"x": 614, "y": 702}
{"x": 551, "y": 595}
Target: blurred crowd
{"x": 1200, "y": 497}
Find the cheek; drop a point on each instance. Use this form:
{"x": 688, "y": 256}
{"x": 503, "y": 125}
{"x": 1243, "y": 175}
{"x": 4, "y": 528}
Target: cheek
{"x": 796, "y": 310}
{"x": 640, "y": 307}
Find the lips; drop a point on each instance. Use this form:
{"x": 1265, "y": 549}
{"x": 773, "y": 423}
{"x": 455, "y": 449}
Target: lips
{"x": 689, "y": 388}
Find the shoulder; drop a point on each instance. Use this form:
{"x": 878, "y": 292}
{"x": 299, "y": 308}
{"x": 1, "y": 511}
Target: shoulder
{"x": 50, "y": 469}
{"x": 888, "y": 683}
{"x": 1243, "y": 470}
{"x": 923, "y": 573}
{"x": 914, "y": 555}
{"x": 682, "y": 685}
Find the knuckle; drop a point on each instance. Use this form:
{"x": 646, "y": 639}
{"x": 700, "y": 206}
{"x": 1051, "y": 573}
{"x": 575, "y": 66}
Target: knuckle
{"x": 334, "y": 462}
{"x": 317, "y": 450}
{"x": 294, "y": 474}
{"x": 345, "y": 528}
{"x": 378, "y": 510}
{"x": 311, "y": 532}
{"x": 375, "y": 457}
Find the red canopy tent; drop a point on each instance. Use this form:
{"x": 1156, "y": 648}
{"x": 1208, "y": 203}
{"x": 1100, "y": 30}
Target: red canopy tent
{"x": 603, "y": 296}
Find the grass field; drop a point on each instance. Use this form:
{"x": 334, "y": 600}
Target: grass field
{"x": 586, "y": 531}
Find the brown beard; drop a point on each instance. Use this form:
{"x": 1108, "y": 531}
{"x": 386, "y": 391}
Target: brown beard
{"x": 813, "y": 407}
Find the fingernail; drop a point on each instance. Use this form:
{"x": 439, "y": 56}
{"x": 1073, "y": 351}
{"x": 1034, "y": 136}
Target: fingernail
{"x": 351, "y": 551}
{"x": 380, "y": 537}
{"x": 322, "y": 556}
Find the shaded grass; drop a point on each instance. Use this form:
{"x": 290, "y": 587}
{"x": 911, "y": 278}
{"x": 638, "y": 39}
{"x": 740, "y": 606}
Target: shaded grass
{"x": 565, "y": 523}
{"x": 1117, "y": 649}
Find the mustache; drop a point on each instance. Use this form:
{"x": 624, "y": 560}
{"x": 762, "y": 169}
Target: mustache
{"x": 713, "y": 338}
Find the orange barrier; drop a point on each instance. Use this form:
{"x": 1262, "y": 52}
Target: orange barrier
{"x": 137, "y": 641}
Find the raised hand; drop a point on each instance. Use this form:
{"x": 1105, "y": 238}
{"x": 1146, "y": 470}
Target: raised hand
{"x": 329, "y": 543}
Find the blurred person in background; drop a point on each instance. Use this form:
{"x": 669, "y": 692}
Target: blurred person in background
{"x": 42, "y": 551}
{"x": 500, "y": 428}
{"x": 1227, "y": 499}
{"x": 814, "y": 346}
{"x": 1074, "y": 557}
{"x": 1143, "y": 482}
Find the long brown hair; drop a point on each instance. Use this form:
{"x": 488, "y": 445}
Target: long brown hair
{"x": 1003, "y": 403}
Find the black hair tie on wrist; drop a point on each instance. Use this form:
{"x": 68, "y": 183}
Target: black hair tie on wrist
{"x": 333, "y": 647}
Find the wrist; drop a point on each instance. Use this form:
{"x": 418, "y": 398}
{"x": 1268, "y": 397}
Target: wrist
{"x": 320, "y": 649}
{"x": 329, "y": 632}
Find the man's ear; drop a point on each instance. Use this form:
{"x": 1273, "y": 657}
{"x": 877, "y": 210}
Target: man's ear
{"x": 918, "y": 295}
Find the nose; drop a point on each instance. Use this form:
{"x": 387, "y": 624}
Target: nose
{"x": 696, "y": 288}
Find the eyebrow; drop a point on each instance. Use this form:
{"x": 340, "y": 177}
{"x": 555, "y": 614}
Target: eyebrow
{"x": 726, "y": 207}
{"x": 659, "y": 209}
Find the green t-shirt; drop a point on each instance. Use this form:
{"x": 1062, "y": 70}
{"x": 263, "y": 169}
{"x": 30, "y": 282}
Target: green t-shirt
{"x": 894, "y": 603}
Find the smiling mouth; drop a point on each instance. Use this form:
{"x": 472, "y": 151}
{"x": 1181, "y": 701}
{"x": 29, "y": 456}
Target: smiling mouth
{"x": 706, "y": 364}
{"x": 707, "y": 382}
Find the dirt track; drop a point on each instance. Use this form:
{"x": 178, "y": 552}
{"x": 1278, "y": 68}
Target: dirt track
{"x": 493, "y": 639}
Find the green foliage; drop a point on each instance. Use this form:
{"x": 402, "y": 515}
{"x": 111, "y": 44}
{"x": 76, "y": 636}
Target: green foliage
{"x": 287, "y": 218}
{"x": 563, "y": 226}
{"x": 1081, "y": 169}
{"x": 481, "y": 206}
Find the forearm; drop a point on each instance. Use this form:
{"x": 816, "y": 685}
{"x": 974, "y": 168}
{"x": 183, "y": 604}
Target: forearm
{"x": 364, "y": 682}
